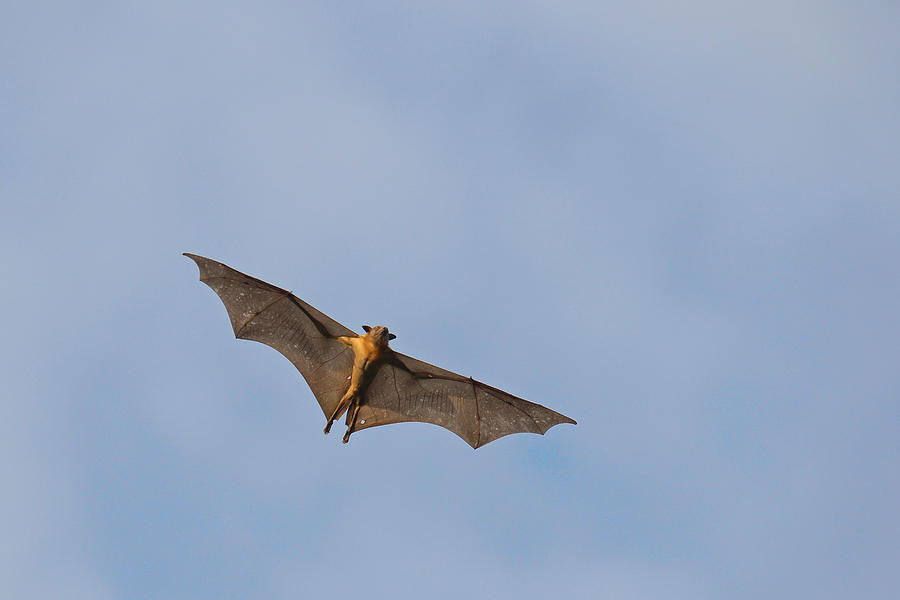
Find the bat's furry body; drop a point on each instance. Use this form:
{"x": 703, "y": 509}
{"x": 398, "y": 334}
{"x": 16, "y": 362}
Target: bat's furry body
{"x": 384, "y": 386}
{"x": 369, "y": 351}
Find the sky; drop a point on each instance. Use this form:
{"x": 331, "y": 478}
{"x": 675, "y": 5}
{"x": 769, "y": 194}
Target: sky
{"x": 675, "y": 222}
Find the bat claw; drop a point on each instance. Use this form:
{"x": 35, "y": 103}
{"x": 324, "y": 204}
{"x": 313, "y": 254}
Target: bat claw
{"x": 328, "y": 427}
{"x": 346, "y": 437}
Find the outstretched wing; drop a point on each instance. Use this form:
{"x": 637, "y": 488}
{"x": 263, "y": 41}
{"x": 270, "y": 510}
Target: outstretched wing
{"x": 407, "y": 389}
{"x": 264, "y": 313}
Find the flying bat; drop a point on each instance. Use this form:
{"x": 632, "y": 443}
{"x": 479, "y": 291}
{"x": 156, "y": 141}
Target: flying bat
{"x": 361, "y": 375}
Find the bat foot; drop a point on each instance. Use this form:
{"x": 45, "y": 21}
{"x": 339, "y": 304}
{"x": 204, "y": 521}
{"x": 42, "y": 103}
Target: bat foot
{"x": 328, "y": 427}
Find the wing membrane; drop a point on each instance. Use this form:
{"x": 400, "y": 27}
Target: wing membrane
{"x": 413, "y": 390}
{"x": 268, "y": 314}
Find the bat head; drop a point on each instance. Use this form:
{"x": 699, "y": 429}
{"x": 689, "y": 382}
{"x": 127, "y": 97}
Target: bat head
{"x": 379, "y": 334}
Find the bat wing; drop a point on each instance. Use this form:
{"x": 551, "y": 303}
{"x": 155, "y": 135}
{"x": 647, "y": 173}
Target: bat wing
{"x": 264, "y": 313}
{"x": 407, "y": 389}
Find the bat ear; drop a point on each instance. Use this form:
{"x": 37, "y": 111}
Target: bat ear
{"x": 366, "y": 328}
{"x": 391, "y": 336}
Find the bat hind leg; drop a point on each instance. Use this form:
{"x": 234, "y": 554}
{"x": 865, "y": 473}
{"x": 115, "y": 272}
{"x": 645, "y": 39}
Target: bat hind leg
{"x": 351, "y": 420}
{"x": 339, "y": 409}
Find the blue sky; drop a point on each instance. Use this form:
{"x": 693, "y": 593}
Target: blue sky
{"x": 676, "y": 223}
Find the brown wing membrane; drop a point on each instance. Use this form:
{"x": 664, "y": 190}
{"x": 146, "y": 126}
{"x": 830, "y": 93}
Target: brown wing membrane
{"x": 412, "y": 390}
{"x": 264, "y": 313}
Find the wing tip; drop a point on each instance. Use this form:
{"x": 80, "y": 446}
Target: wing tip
{"x": 209, "y": 267}
{"x": 563, "y": 421}
{"x": 560, "y": 419}
{"x": 204, "y": 265}
{"x": 196, "y": 258}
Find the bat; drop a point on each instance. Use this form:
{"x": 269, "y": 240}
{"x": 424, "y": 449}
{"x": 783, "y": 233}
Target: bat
{"x": 361, "y": 375}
